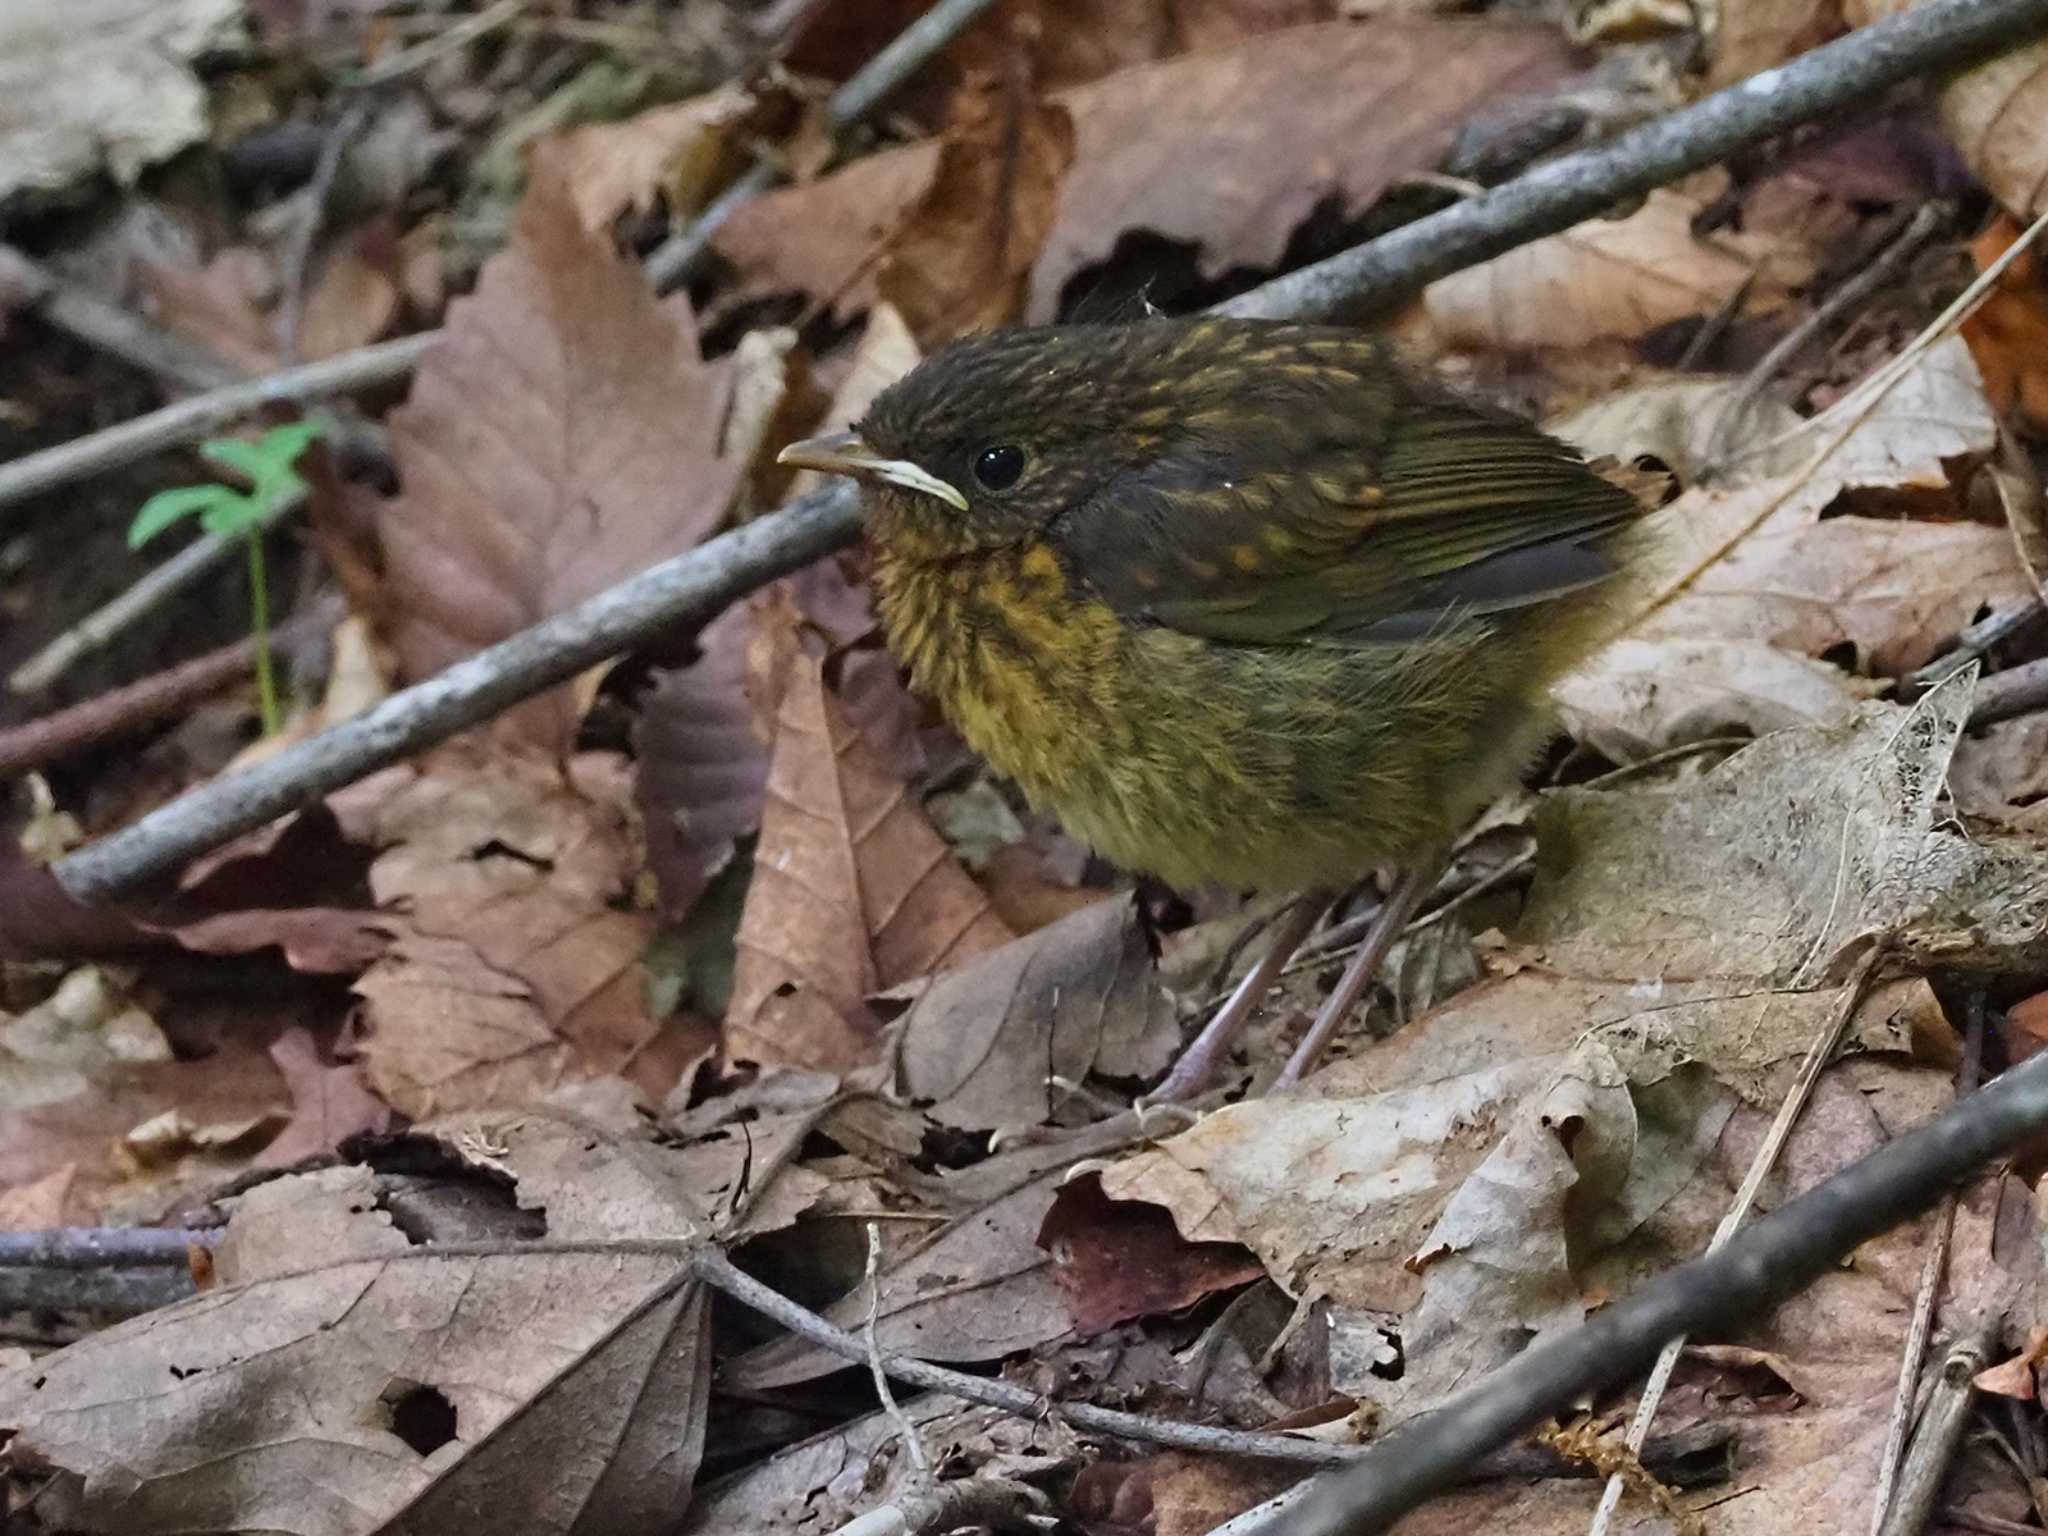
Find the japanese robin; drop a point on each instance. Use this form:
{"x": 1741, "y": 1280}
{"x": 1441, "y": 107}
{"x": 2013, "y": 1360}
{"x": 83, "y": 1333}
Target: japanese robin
{"x": 1252, "y": 602}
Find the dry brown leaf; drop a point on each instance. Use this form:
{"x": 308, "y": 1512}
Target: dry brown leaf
{"x": 1118, "y": 1260}
{"x": 1896, "y": 591}
{"x": 522, "y": 956}
{"x": 329, "y": 1103}
{"x": 1082, "y": 40}
{"x": 1744, "y": 584}
{"x": 1809, "y": 1445}
{"x": 338, "y": 1382}
{"x": 1073, "y": 1000}
{"x": 562, "y": 435}
{"x": 1338, "y": 1193}
{"x": 224, "y": 306}
{"x": 1750, "y": 35}
{"x": 701, "y": 768}
{"x": 86, "y": 1068}
{"x": 1228, "y": 150}
{"x": 886, "y": 352}
{"x": 1174, "y": 1493}
{"x": 1678, "y": 421}
{"x": 355, "y": 299}
{"x": 979, "y": 1288}
{"x": 2001, "y": 765}
{"x": 852, "y": 892}
{"x": 38, "y": 1204}
{"x": 963, "y": 258}
{"x": 1610, "y": 278}
{"x": 1497, "y": 1269}
{"x": 1637, "y": 698}
{"x": 679, "y": 150}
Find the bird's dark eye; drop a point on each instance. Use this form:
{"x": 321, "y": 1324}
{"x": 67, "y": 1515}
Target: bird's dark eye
{"x": 997, "y": 469}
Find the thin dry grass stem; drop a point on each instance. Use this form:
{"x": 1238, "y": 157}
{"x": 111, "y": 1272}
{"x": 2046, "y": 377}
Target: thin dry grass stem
{"x": 1919, "y": 229}
{"x": 913, "y": 1444}
{"x": 1931, "y": 1272}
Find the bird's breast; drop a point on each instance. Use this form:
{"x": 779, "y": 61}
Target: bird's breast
{"x": 1026, "y": 665}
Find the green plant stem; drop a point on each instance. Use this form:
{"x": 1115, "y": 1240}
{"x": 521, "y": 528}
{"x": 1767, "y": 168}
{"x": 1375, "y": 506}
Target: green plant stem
{"x": 259, "y": 629}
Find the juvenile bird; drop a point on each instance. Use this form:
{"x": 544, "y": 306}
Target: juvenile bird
{"x": 1251, "y": 602}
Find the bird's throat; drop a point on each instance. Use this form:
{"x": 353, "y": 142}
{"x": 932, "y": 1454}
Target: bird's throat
{"x": 1023, "y": 662}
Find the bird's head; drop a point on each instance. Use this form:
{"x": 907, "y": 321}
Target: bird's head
{"x": 992, "y": 438}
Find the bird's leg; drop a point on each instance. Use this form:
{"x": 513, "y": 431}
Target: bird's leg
{"x": 1415, "y": 883}
{"x": 1199, "y": 1063}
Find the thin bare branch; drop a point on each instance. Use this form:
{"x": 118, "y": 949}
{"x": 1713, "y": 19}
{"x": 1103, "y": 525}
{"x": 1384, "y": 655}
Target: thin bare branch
{"x": 190, "y": 420}
{"x": 1773, "y": 1258}
{"x": 1921, "y": 42}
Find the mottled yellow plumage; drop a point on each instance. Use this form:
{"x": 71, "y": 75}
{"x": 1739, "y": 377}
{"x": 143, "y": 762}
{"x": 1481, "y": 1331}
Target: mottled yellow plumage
{"x": 1239, "y": 602}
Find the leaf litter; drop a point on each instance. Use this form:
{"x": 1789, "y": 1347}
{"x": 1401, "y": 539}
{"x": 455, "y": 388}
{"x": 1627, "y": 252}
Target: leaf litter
{"x": 796, "y": 968}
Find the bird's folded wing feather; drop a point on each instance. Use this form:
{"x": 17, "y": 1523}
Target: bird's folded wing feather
{"x": 1313, "y": 530}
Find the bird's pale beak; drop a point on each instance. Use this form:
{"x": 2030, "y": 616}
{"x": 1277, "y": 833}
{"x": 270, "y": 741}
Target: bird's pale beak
{"x": 843, "y": 453}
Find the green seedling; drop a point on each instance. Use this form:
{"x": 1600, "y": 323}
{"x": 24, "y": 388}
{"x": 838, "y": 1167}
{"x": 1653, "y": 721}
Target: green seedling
{"x": 270, "y": 466}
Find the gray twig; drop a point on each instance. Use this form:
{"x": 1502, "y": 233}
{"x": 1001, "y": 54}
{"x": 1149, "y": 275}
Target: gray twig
{"x": 187, "y": 421}
{"x": 716, "y": 1270}
{"x": 53, "y": 737}
{"x": 298, "y": 254}
{"x": 1920, "y": 228}
{"x": 101, "y": 1247}
{"x": 2009, "y": 694}
{"x": 1908, "y": 1389}
{"x": 1773, "y": 1257}
{"x": 1923, "y": 41}
{"x": 686, "y": 591}
{"x": 1941, "y": 1428}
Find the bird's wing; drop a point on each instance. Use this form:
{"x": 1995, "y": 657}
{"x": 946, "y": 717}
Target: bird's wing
{"x": 1303, "y": 526}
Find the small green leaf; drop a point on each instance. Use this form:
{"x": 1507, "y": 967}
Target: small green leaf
{"x": 233, "y": 513}
{"x": 245, "y": 459}
{"x": 268, "y": 463}
{"x": 168, "y": 507}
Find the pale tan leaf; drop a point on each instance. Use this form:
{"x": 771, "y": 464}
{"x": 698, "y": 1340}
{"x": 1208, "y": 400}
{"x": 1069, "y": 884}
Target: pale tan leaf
{"x": 1075, "y": 999}
{"x": 1610, "y": 278}
{"x": 352, "y": 303}
{"x": 1640, "y": 697}
{"x": 39, "y": 1203}
{"x": 1769, "y": 865}
{"x": 853, "y": 892}
{"x": 1895, "y": 591}
{"x": 886, "y": 352}
{"x": 91, "y": 85}
{"x": 678, "y": 150}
